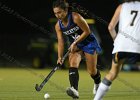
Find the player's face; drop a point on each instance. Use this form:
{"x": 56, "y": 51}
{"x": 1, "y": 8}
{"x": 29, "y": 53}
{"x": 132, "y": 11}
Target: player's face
{"x": 60, "y": 13}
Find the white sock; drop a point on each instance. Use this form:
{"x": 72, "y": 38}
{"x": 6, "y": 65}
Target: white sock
{"x": 101, "y": 91}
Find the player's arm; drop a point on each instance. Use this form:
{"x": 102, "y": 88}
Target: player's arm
{"x": 60, "y": 41}
{"x": 113, "y": 22}
{"x": 81, "y": 22}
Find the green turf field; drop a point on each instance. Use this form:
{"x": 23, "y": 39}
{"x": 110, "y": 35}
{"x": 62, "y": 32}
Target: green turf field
{"x": 18, "y": 84}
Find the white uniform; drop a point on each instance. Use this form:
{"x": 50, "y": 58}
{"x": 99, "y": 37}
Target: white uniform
{"x": 128, "y": 38}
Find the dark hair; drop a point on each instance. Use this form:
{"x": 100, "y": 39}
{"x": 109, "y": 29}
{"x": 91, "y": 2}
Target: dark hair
{"x": 130, "y": 0}
{"x": 60, "y": 3}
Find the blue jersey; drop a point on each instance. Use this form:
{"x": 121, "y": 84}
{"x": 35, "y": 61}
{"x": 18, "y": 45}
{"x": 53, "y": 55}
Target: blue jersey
{"x": 72, "y": 31}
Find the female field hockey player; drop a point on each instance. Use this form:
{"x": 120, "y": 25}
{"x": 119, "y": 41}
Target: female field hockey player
{"x": 126, "y": 42}
{"x": 83, "y": 42}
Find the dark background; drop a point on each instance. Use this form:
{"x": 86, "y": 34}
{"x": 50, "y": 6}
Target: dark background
{"x": 17, "y": 35}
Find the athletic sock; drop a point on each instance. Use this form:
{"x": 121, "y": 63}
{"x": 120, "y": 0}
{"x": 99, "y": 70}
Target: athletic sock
{"x": 103, "y": 88}
{"x": 97, "y": 77}
{"x": 74, "y": 77}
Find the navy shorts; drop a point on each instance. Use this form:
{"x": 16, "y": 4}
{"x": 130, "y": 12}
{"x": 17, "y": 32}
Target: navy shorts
{"x": 130, "y": 58}
{"x": 90, "y": 45}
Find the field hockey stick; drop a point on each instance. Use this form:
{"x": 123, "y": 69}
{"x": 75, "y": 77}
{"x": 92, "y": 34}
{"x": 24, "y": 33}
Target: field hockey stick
{"x": 39, "y": 87}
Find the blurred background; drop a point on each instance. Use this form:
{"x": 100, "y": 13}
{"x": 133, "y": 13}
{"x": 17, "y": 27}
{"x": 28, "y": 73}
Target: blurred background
{"x": 27, "y": 32}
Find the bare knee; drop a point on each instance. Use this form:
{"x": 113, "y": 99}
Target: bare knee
{"x": 74, "y": 59}
{"x": 92, "y": 71}
{"x": 74, "y": 64}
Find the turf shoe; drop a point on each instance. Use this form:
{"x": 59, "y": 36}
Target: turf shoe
{"x": 72, "y": 93}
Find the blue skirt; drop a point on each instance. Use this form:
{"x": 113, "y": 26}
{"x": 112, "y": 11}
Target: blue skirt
{"x": 90, "y": 45}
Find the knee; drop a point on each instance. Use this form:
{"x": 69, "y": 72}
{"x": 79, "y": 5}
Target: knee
{"x": 74, "y": 60}
{"x": 92, "y": 71}
{"x": 74, "y": 63}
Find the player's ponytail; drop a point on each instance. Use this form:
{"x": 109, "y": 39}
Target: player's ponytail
{"x": 84, "y": 12}
{"x": 74, "y": 7}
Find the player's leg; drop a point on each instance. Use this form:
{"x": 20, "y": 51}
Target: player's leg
{"x": 74, "y": 60}
{"x": 91, "y": 61}
{"x": 106, "y": 83}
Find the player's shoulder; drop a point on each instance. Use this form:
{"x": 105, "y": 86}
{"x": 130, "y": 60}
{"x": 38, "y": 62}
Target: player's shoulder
{"x": 119, "y": 6}
{"x": 118, "y": 9}
{"x": 76, "y": 15}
